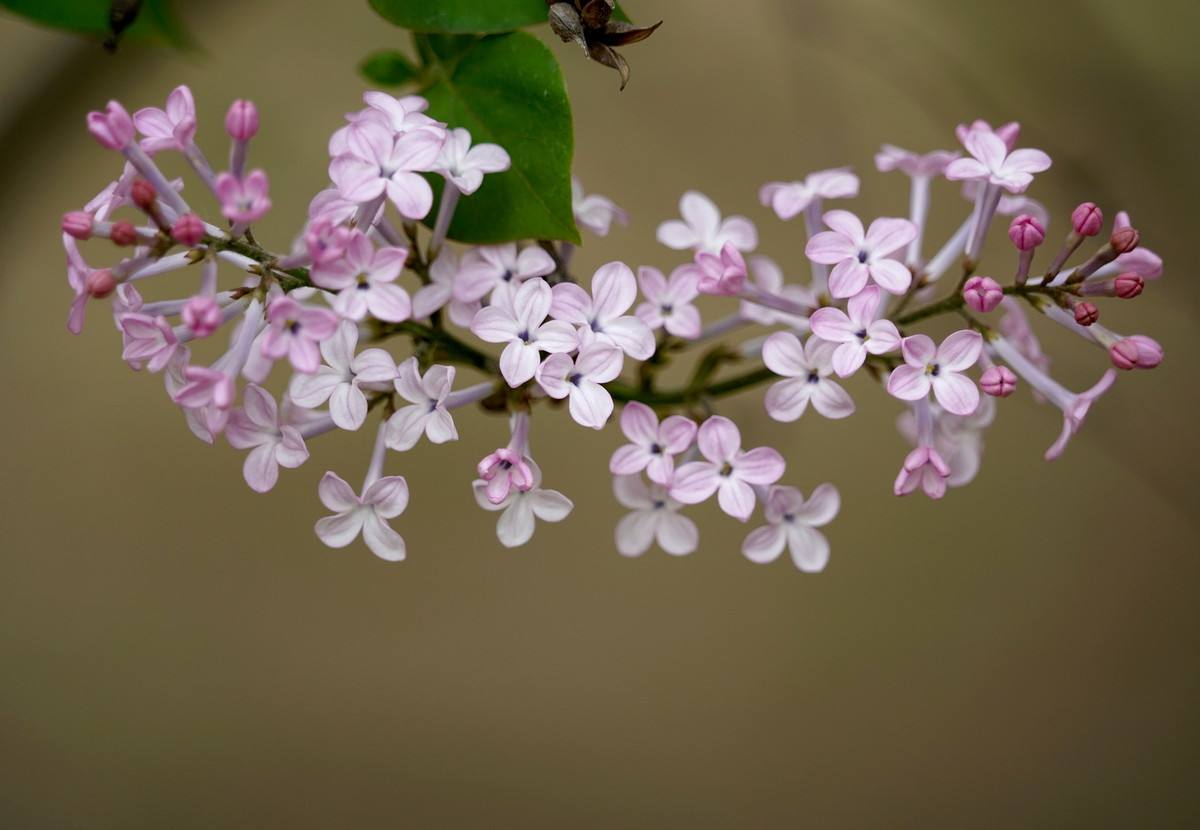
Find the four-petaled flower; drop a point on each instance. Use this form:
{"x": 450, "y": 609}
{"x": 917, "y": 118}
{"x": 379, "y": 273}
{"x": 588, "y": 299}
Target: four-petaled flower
{"x": 295, "y": 332}
{"x": 792, "y": 521}
{"x": 939, "y": 369}
{"x": 727, "y": 470}
{"x": 519, "y": 320}
{"x": 601, "y": 316}
{"x": 465, "y": 165}
{"x": 172, "y": 129}
{"x": 702, "y": 229}
{"x": 428, "y": 413}
{"x": 857, "y": 256}
{"x": 655, "y": 518}
{"x": 272, "y": 440}
{"x": 579, "y": 378}
{"x": 993, "y": 161}
{"x": 789, "y": 199}
{"x": 522, "y": 506}
{"x": 723, "y": 274}
{"x": 340, "y": 381}
{"x": 653, "y": 445}
{"x": 368, "y": 514}
{"x": 444, "y": 274}
{"x": 859, "y": 331}
{"x": 149, "y": 341}
{"x": 807, "y": 369}
{"x": 243, "y": 199}
{"x": 379, "y": 163}
{"x": 669, "y": 301}
{"x": 503, "y": 470}
{"x": 489, "y": 267}
{"x": 365, "y": 279}
{"x": 924, "y": 467}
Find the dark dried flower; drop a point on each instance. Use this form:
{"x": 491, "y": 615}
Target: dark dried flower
{"x": 589, "y": 23}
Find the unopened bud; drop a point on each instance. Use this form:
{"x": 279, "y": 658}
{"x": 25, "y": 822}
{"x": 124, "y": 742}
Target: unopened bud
{"x": 77, "y": 223}
{"x": 241, "y": 122}
{"x": 188, "y": 230}
{"x": 1124, "y": 240}
{"x": 1026, "y": 232}
{"x": 1128, "y": 285}
{"x": 1086, "y": 313}
{"x": 982, "y": 294}
{"x": 123, "y": 234}
{"x": 998, "y": 381}
{"x": 143, "y": 195}
{"x": 100, "y": 284}
{"x": 1136, "y": 352}
{"x": 1087, "y": 220}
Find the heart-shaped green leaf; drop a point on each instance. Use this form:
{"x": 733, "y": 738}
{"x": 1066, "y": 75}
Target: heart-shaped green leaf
{"x": 466, "y": 16}
{"x": 388, "y": 67}
{"x": 155, "y": 20}
{"x": 508, "y": 90}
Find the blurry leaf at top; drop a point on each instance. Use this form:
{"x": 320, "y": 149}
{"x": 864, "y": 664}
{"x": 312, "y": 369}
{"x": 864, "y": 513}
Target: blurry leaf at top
{"x": 466, "y": 16}
{"x": 387, "y": 67}
{"x": 149, "y": 19}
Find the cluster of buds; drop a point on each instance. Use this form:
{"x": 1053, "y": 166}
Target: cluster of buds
{"x": 362, "y": 271}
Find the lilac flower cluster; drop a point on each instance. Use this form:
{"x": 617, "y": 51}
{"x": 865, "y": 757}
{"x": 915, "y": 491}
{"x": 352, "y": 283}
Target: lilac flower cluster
{"x": 320, "y": 308}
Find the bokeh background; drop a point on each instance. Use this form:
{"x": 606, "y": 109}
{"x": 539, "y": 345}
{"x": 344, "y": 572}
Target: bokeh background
{"x": 180, "y": 652}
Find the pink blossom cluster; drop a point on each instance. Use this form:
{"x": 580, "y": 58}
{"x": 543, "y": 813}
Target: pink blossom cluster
{"x": 313, "y": 322}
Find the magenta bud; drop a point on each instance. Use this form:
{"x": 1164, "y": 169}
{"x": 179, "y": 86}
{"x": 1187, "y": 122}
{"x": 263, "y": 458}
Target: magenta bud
{"x": 998, "y": 381}
{"x": 241, "y": 122}
{"x": 77, "y": 223}
{"x": 982, "y": 294}
{"x": 123, "y": 234}
{"x": 1136, "y": 352}
{"x": 201, "y": 315}
{"x": 1124, "y": 240}
{"x": 143, "y": 195}
{"x": 113, "y": 127}
{"x": 100, "y": 284}
{"x": 1087, "y": 220}
{"x": 1128, "y": 285}
{"x": 1026, "y": 232}
{"x": 1086, "y": 313}
{"x": 188, "y": 230}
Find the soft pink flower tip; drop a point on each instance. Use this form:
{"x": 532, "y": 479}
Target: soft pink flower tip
{"x": 201, "y": 315}
{"x": 1128, "y": 285}
{"x": 1087, "y": 220}
{"x": 188, "y": 230}
{"x": 982, "y": 294}
{"x": 1136, "y": 352}
{"x": 1026, "y": 232}
{"x": 77, "y": 223}
{"x": 1086, "y": 313}
{"x": 100, "y": 284}
{"x": 998, "y": 381}
{"x": 123, "y": 234}
{"x": 113, "y": 127}
{"x": 241, "y": 122}
{"x": 1124, "y": 240}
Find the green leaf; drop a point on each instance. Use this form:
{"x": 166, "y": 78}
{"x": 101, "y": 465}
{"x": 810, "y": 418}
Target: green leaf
{"x": 388, "y": 67}
{"x": 462, "y": 16}
{"x": 508, "y": 90}
{"x": 155, "y": 21}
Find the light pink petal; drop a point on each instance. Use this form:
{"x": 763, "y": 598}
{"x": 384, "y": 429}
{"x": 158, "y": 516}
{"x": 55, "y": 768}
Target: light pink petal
{"x": 764, "y": 544}
{"x": 534, "y": 262}
{"x": 571, "y": 304}
{"x": 336, "y": 494}
{"x": 847, "y": 224}
{"x": 888, "y": 234}
{"x": 374, "y": 366}
{"x": 411, "y": 195}
{"x": 348, "y": 406}
{"x": 833, "y": 325}
{"x": 639, "y": 423}
{"x": 1026, "y": 161}
{"x": 406, "y": 426}
{"x": 908, "y": 383}
{"x": 494, "y": 326}
{"x": 338, "y": 350}
{"x": 961, "y": 169}
{"x": 684, "y": 322}
{"x": 677, "y": 235}
{"x": 428, "y": 299}
{"x": 516, "y": 524}
{"x": 849, "y": 358}
{"x": 384, "y": 542}
{"x": 890, "y": 275}
{"x": 830, "y": 247}
{"x": 629, "y": 459}
{"x": 960, "y": 350}
{"x": 487, "y": 158}
{"x": 787, "y": 400}
{"x": 339, "y": 531}
{"x": 987, "y": 147}
{"x": 661, "y": 469}
{"x": 439, "y": 428}
{"x": 676, "y": 433}
{"x": 677, "y": 535}
{"x": 847, "y": 278}
{"x": 761, "y": 465}
{"x": 614, "y": 289}
{"x": 635, "y": 532}
{"x": 632, "y": 492}
{"x": 532, "y": 302}
{"x": 557, "y": 336}
{"x": 739, "y": 232}
{"x": 956, "y": 393}
{"x": 599, "y": 362}
{"x": 550, "y": 505}
{"x": 694, "y": 482}
{"x": 259, "y": 405}
{"x": 408, "y": 382}
{"x": 719, "y": 439}
{"x": 630, "y": 335}
{"x": 784, "y": 355}
{"x": 438, "y": 382}
{"x": 518, "y": 362}
{"x": 918, "y": 350}
{"x": 809, "y": 548}
{"x": 700, "y": 212}
{"x": 416, "y": 150}
{"x": 389, "y": 495}
{"x": 388, "y": 302}
{"x": 821, "y": 507}
{"x": 260, "y": 468}
{"x": 736, "y": 498}
{"x": 291, "y": 451}
{"x": 831, "y": 400}
{"x": 590, "y": 404}
{"x": 652, "y": 283}
{"x": 882, "y": 337}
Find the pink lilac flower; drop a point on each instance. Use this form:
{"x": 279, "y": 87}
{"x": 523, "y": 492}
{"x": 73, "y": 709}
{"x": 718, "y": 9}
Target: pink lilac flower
{"x": 958, "y": 439}
{"x": 365, "y": 279}
{"x": 727, "y": 470}
{"x": 296, "y": 331}
{"x": 703, "y": 230}
{"x": 368, "y": 514}
{"x": 995, "y": 162}
{"x": 171, "y": 129}
{"x": 79, "y": 276}
{"x": 205, "y": 420}
{"x": 917, "y": 165}
{"x": 380, "y": 164}
{"x": 1008, "y": 132}
{"x": 521, "y": 508}
{"x": 601, "y": 315}
{"x": 341, "y": 380}
{"x": 767, "y": 277}
{"x": 331, "y": 206}
{"x": 858, "y": 330}
{"x": 595, "y": 212}
{"x": 502, "y": 471}
{"x": 807, "y": 369}
{"x": 654, "y": 518}
{"x": 982, "y": 294}
{"x": 243, "y": 200}
{"x": 149, "y": 341}
{"x": 273, "y": 441}
{"x": 857, "y": 256}
{"x": 489, "y": 267}
{"x": 519, "y": 321}
{"x": 113, "y": 127}
{"x": 653, "y": 445}
{"x": 792, "y": 521}
{"x": 669, "y": 301}
{"x": 939, "y": 369}
{"x": 579, "y": 379}
{"x": 400, "y": 115}
{"x": 790, "y": 199}
{"x": 721, "y": 274}
{"x": 201, "y": 387}
{"x": 925, "y": 468}
{"x": 444, "y": 274}
{"x": 325, "y": 241}
{"x": 427, "y": 415}
{"x": 464, "y": 165}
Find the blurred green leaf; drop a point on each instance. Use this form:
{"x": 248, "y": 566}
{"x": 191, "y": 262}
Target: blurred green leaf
{"x": 388, "y": 67}
{"x": 507, "y": 89}
{"x": 467, "y": 16}
{"x": 155, "y": 21}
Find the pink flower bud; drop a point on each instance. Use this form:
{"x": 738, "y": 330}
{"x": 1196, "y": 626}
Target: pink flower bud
{"x": 1026, "y": 232}
{"x": 1086, "y": 313}
{"x": 188, "y": 230}
{"x": 1136, "y": 352}
{"x": 123, "y": 234}
{"x": 1087, "y": 219}
{"x": 241, "y": 122}
{"x": 724, "y": 275}
{"x": 1128, "y": 285}
{"x": 143, "y": 195}
{"x": 201, "y": 315}
{"x": 1124, "y": 240}
{"x": 100, "y": 284}
{"x": 78, "y": 224}
{"x": 113, "y": 127}
{"x": 982, "y": 294}
{"x": 998, "y": 381}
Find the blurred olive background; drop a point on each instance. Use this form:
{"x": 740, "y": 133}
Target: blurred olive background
{"x": 179, "y": 652}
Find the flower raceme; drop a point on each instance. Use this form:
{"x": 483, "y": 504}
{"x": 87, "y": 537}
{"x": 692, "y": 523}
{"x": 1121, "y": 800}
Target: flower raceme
{"x": 531, "y": 334}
